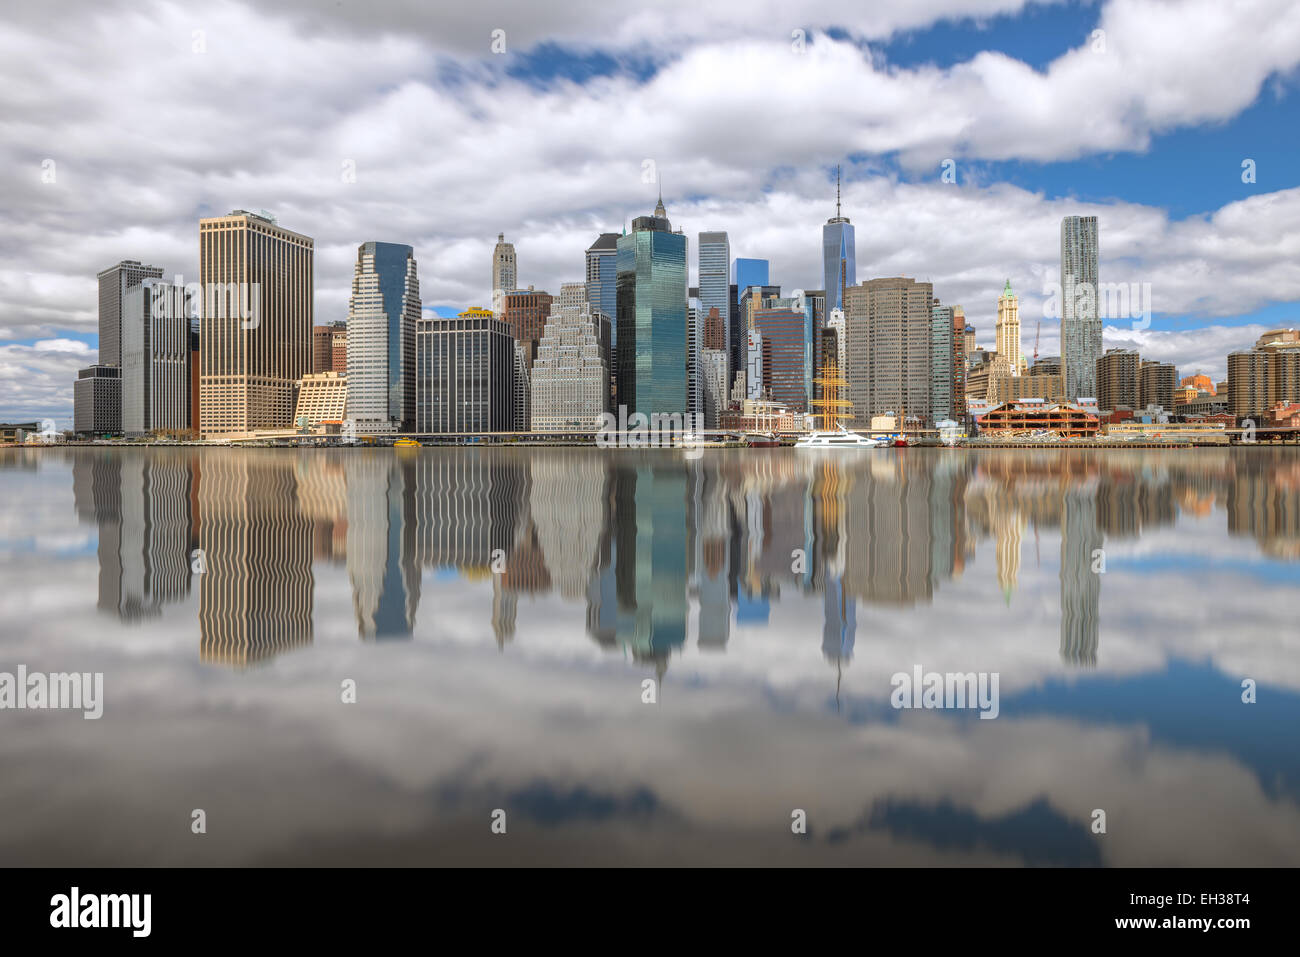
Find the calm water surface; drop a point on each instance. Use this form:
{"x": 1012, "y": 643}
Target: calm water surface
{"x": 500, "y": 612}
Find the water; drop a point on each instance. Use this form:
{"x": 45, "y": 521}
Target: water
{"x": 504, "y": 613}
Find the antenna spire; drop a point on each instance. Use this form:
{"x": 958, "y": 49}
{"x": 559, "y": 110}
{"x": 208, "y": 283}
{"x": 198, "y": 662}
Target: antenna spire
{"x": 837, "y": 191}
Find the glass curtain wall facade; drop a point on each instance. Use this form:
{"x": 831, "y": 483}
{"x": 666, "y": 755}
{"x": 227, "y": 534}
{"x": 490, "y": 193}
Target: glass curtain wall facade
{"x": 382, "y": 316}
{"x": 652, "y": 321}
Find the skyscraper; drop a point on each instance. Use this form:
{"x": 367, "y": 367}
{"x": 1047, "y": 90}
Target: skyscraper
{"x": 505, "y": 275}
{"x": 887, "y": 328}
{"x": 113, "y": 285}
{"x": 785, "y": 326}
{"x": 525, "y": 311}
{"x": 1007, "y": 331}
{"x": 382, "y": 315}
{"x": 1080, "y": 321}
{"x": 255, "y": 322}
{"x": 652, "y": 316}
{"x": 715, "y": 286}
{"x": 570, "y": 380}
{"x": 155, "y": 358}
{"x": 941, "y": 360}
{"x": 97, "y": 394}
{"x": 839, "y": 257}
{"x": 602, "y": 274}
{"x": 464, "y": 374}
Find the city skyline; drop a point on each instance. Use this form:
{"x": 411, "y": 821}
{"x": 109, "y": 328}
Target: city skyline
{"x": 1160, "y": 164}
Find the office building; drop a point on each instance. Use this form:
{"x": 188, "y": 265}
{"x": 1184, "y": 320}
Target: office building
{"x": 322, "y": 401}
{"x": 97, "y": 401}
{"x": 464, "y": 374}
{"x": 839, "y": 257}
{"x": 114, "y": 282}
{"x": 715, "y": 285}
{"x": 155, "y": 359}
{"x": 887, "y": 328}
{"x": 255, "y": 322}
{"x": 785, "y": 328}
{"x": 525, "y": 311}
{"x": 570, "y": 376}
{"x": 382, "y": 313}
{"x": 652, "y": 321}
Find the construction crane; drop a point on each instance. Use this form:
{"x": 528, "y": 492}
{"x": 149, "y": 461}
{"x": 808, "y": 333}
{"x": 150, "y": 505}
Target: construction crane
{"x": 1038, "y": 331}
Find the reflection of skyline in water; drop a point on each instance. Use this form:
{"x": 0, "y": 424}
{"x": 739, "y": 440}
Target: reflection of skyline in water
{"x": 661, "y": 550}
{"x": 777, "y": 593}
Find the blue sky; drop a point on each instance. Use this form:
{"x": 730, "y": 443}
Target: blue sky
{"x": 548, "y": 139}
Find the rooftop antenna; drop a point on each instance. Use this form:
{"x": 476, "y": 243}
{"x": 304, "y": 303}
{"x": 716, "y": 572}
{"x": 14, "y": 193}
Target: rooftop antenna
{"x": 837, "y": 191}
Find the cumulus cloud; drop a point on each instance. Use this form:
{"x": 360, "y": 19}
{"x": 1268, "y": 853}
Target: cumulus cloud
{"x": 120, "y": 131}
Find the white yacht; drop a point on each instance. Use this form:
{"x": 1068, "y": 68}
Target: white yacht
{"x": 840, "y": 439}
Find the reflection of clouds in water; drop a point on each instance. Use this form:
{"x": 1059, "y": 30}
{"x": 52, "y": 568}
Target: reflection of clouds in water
{"x": 949, "y": 560}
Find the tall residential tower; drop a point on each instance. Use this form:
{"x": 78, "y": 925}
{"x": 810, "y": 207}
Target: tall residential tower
{"x": 1080, "y": 319}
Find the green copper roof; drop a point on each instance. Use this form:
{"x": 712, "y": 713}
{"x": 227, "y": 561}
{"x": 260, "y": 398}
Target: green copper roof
{"x": 1007, "y": 291}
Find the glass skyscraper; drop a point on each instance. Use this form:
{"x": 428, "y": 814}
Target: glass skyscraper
{"x": 750, "y": 272}
{"x": 651, "y": 317}
{"x": 839, "y": 255}
{"x": 1080, "y": 319}
{"x": 839, "y": 267}
{"x": 382, "y": 316}
{"x": 715, "y": 289}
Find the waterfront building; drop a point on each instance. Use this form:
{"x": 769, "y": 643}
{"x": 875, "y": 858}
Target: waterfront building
{"x": 887, "y": 325}
{"x": 464, "y": 374}
{"x": 651, "y": 317}
{"x": 255, "y": 322}
{"x": 570, "y": 377}
{"x": 1117, "y": 379}
{"x": 322, "y": 401}
{"x": 382, "y": 314}
{"x": 97, "y": 401}
{"x": 1266, "y": 375}
{"x": 1033, "y": 415}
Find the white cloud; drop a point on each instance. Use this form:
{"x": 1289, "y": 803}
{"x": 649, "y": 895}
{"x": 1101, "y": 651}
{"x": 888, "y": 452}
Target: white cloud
{"x": 148, "y": 135}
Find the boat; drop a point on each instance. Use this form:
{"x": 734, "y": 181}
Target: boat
{"x": 840, "y": 438}
{"x": 406, "y": 444}
{"x": 762, "y": 440}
